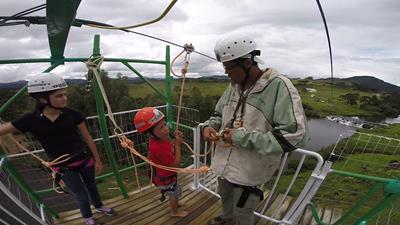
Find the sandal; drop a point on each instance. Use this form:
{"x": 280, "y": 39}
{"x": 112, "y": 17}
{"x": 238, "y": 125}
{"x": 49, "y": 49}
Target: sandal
{"x": 220, "y": 221}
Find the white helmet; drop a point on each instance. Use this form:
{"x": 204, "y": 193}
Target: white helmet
{"x": 46, "y": 82}
{"x": 234, "y": 47}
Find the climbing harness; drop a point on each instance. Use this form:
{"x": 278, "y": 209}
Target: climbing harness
{"x": 58, "y": 184}
{"x": 247, "y": 190}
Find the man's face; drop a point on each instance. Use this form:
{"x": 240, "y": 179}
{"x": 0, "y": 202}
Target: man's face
{"x": 234, "y": 71}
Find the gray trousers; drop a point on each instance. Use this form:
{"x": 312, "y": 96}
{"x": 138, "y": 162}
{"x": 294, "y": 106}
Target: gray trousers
{"x": 230, "y": 196}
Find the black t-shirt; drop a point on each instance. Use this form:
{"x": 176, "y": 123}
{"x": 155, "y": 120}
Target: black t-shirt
{"x": 57, "y": 138}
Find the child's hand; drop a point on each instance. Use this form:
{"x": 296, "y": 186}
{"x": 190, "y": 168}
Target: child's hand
{"x": 178, "y": 137}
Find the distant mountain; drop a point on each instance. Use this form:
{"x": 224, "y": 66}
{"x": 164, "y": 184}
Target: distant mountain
{"x": 19, "y": 84}
{"x": 214, "y": 77}
{"x": 373, "y": 83}
{"x": 13, "y": 85}
{"x": 361, "y": 82}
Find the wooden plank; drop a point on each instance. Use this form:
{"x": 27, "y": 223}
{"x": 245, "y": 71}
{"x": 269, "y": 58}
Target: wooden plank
{"x": 276, "y": 199}
{"x": 298, "y": 218}
{"x": 144, "y": 208}
{"x": 196, "y": 213}
{"x": 284, "y": 208}
{"x": 162, "y": 216}
{"x": 313, "y": 222}
{"x": 306, "y": 218}
{"x": 336, "y": 214}
{"x": 326, "y": 218}
{"x": 150, "y": 207}
{"x": 214, "y": 211}
{"x": 121, "y": 205}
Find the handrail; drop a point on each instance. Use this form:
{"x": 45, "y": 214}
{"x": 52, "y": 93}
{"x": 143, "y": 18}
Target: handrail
{"x": 309, "y": 189}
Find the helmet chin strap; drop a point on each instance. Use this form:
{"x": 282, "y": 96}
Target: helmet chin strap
{"x": 50, "y": 105}
{"x": 247, "y": 74}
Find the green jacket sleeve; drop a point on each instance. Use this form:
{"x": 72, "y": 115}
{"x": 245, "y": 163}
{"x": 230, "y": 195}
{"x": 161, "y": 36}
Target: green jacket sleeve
{"x": 288, "y": 122}
{"x": 215, "y": 120}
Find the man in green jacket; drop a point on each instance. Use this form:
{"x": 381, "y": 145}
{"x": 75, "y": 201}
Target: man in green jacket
{"x": 259, "y": 117}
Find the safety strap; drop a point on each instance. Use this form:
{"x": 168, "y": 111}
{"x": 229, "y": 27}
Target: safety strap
{"x": 283, "y": 142}
{"x": 58, "y": 184}
{"x": 247, "y": 190}
{"x": 163, "y": 191}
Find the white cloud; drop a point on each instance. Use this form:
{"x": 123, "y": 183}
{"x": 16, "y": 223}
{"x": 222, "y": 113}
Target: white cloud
{"x": 364, "y": 33}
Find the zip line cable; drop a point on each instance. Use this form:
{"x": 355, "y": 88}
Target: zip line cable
{"x": 89, "y": 23}
{"x": 329, "y": 42}
{"x": 22, "y": 13}
{"x": 80, "y": 22}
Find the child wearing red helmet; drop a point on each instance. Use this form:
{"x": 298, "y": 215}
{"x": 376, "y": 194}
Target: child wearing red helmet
{"x": 162, "y": 151}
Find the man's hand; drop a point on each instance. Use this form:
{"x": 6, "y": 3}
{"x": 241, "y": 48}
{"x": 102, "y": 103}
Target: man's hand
{"x": 210, "y": 134}
{"x": 178, "y": 137}
{"x": 227, "y": 135}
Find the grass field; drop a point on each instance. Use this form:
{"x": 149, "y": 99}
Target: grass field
{"x": 325, "y": 101}
{"x": 212, "y": 88}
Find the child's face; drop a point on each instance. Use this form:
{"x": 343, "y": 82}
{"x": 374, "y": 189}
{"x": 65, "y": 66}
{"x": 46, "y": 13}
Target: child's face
{"x": 59, "y": 98}
{"x": 161, "y": 130}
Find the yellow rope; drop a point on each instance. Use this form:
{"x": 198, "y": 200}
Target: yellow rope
{"x": 169, "y": 7}
{"x": 188, "y": 48}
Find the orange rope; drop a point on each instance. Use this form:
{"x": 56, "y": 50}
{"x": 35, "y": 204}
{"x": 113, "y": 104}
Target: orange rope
{"x": 128, "y": 144}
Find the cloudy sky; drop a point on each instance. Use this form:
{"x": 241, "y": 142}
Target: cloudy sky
{"x": 365, "y": 36}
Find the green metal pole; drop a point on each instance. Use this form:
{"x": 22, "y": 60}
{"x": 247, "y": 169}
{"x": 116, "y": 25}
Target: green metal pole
{"x": 19, "y": 180}
{"x": 374, "y": 211}
{"x": 49, "y": 60}
{"x": 103, "y": 124}
{"x": 359, "y": 203}
{"x": 363, "y": 177}
{"x": 315, "y": 215}
{"x": 23, "y": 89}
{"x": 168, "y": 79}
{"x": 144, "y": 79}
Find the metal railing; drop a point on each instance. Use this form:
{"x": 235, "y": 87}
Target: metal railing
{"x": 39, "y": 179}
{"x": 16, "y": 206}
{"x": 274, "y": 188}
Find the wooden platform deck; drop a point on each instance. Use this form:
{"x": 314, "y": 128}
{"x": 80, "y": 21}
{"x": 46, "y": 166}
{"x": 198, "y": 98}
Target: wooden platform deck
{"x": 145, "y": 208}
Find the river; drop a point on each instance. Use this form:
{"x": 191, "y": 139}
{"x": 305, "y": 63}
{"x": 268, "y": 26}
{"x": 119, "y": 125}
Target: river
{"x": 324, "y": 132}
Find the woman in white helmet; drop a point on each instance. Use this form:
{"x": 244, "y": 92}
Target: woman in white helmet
{"x": 260, "y": 117}
{"x": 62, "y": 130}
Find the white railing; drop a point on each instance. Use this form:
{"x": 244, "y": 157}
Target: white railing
{"x": 291, "y": 214}
{"x": 26, "y": 206}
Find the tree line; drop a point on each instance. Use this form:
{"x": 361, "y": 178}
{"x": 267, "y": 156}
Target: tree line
{"x": 82, "y": 99}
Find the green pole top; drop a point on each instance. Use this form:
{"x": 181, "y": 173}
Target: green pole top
{"x": 59, "y": 17}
